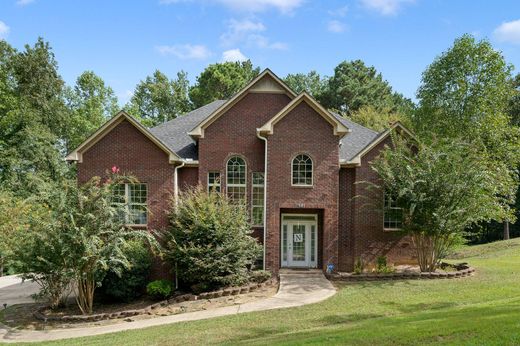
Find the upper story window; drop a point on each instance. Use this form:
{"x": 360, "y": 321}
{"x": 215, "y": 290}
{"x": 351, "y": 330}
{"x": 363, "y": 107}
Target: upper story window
{"x": 236, "y": 179}
{"x": 132, "y": 198}
{"x": 393, "y": 215}
{"x": 302, "y": 170}
{"x": 257, "y": 199}
{"x": 214, "y": 182}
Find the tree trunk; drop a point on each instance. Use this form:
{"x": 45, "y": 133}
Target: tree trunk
{"x": 506, "y": 230}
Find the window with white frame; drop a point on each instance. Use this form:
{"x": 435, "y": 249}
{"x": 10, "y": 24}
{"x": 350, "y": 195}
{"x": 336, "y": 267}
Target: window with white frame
{"x": 257, "y": 199}
{"x": 132, "y": 201}
{"x": 302, "y": 170}
{"x": 214, "y": 182}
{"x": 393, "y": 215}
{"x": 236, "y": 179}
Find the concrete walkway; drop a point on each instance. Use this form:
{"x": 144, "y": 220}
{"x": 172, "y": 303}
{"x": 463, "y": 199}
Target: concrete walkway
{"x": 14, "y": 291}
{"x": 296, "y": 289}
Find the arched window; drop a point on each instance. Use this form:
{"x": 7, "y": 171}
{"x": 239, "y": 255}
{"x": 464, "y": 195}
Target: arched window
{"x": 302, "y": 170}
{"x": 236, "y": 179}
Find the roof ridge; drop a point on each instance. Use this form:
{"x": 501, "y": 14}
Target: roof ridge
{"x": 186, "y": 114}
{"x": 352, "y": 121}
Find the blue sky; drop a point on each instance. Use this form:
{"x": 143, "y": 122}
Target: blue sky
{"x": 124, "y": 41}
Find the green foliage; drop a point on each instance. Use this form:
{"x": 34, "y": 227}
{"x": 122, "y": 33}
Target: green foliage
{"x": 311, "y": 82}
{"x": 91, "y": 103}
{"x": 159, "y": 289}
{"x": 359, "y": 266}
{"x": 378, "y": 120}
{"x": 382, "y": 265}
{"x": 468, "y": 95}
{"x": 130, "y": 283}
{"x": 442, "y": 190}
{"x": 260, "y": 276}
{"x": 210, "y": 240}
{"x": 220, "y": 81}
{"x": 355, "y": 85}
{"x": 158, "y": 99}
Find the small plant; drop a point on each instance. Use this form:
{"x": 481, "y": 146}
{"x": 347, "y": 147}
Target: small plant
{"x": 260, "y": 276}
{"x": 359, "y": 266}
{"x": 382, "y": 265}
{"x": 159, "y": 289}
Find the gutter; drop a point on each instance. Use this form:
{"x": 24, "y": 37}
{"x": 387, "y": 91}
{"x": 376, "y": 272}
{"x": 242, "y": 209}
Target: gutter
{"x": 265, "y": 192}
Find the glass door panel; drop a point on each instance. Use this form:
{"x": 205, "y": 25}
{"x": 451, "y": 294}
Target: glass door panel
{"x": 298, "y": 243}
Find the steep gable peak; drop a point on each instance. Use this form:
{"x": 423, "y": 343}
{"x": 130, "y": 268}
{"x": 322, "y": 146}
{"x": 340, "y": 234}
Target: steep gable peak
{"x": 265, "y": 82}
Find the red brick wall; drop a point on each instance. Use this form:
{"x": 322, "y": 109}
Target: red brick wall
{"x": 188, "y": 177}
{"x": 361, "y": 219}
{"x": 234, "y": 133}
{"x": 131, "y": 151}
{"x": 303, "y": 131}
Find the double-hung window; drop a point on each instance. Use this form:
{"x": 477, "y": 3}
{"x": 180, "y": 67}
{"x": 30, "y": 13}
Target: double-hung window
{"x": 236, "y": 179}
{"x": 131, "y": 200}
{"x": 257, "y": 199}
{"x": 393, "y": 215}
{"x": 214, "y": 182}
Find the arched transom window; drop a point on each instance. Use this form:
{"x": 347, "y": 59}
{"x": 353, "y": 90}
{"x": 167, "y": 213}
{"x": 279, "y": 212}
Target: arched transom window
{"x": 236, "y": 179}
{"x": 302, "y": 170}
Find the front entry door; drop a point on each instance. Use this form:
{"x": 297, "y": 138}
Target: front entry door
{"x": 299, "y": 241}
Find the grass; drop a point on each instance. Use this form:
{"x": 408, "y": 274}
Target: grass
{"x": 480, "y": 310}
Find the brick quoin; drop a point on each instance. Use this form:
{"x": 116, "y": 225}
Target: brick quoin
{"x": 348, "y": 227}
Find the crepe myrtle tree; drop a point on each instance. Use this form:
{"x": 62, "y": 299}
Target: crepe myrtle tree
{"x": 442, "y": 189}
{"x": 209, "y": 240}
{"x": 82, "y": 240}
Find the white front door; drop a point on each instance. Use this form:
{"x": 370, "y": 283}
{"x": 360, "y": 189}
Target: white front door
{"x": 299, "y": 241}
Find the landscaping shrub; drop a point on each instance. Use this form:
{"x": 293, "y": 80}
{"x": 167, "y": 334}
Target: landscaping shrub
{"x": 359, "y": 266}
{"x": 260, "y": 276}
{"x": 382, "y": 265}
{"x": 159, "y": 289}
{"x": 130, "y": 283}
{"x": 210, "y": 241}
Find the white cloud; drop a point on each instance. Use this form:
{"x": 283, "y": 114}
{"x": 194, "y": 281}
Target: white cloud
{"x": 248, "y": 31}
{"x": 24, "y": 2}
{"x": 4, "y": 30}
{"x": 252, "y": 6}
{"x": 185, "y": 51}
{"x": 339, "y": 12}
{"x": 238, "y": 30}
{"x": 385, "y": 7}
{"x": 233, "y": 55}
{"x": 508, "y": 32}
{"x": 336, "y": 26}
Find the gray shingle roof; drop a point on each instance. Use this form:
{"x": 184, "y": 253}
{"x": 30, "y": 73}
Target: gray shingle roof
{"x": 356, "y": 140}
{"x": 174, "y": 133}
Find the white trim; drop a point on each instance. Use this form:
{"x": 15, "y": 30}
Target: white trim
{"x": 127, "y": 202}
{"x": 311, "y": 264}
{"x": 253, "y": 206}
{"x": 312, "y": 171}
{"x": 356, "y": 161}
{"x": 77, "y": 154}
{"x": 338, "y": 128}
{"x": 237, "y": 185}
{"x": 176, "y": 182}
{"x": 198, "y": 131}
{"x": 265, "y": 194}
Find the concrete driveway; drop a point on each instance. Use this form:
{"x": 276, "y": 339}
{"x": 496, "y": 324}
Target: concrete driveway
{"x": 14, "y": 291}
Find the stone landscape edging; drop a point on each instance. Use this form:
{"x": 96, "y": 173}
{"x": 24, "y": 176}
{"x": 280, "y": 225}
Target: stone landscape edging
{"x": 230, "y": 291}
{"x": 463, "y": 270}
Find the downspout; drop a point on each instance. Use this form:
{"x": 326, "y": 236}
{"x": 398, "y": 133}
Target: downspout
{"x": 176, "y": 197}
{"x": 265, "y": 191}
{"x": 176, "y": 182}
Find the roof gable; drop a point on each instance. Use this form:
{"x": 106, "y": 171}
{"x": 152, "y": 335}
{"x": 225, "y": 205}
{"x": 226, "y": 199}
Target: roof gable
{"x": 397, "y": 126}
{"x": 77, "y": 154}
{"x": 265, "y": 82}
{"x": 338, "y": 127}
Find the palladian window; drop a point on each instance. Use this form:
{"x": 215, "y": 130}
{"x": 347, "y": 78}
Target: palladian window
{"x": 236, "y": 179}
{"x": 302, "y": 170}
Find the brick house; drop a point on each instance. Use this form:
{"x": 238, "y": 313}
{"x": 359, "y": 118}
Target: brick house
{"x": 295, "y": 164}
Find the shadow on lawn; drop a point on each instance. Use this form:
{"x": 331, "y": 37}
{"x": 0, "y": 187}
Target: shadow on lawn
{"x": 471, "y": 324}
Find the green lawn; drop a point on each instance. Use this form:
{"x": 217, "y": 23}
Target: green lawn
{"x": 480, "y": 310}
